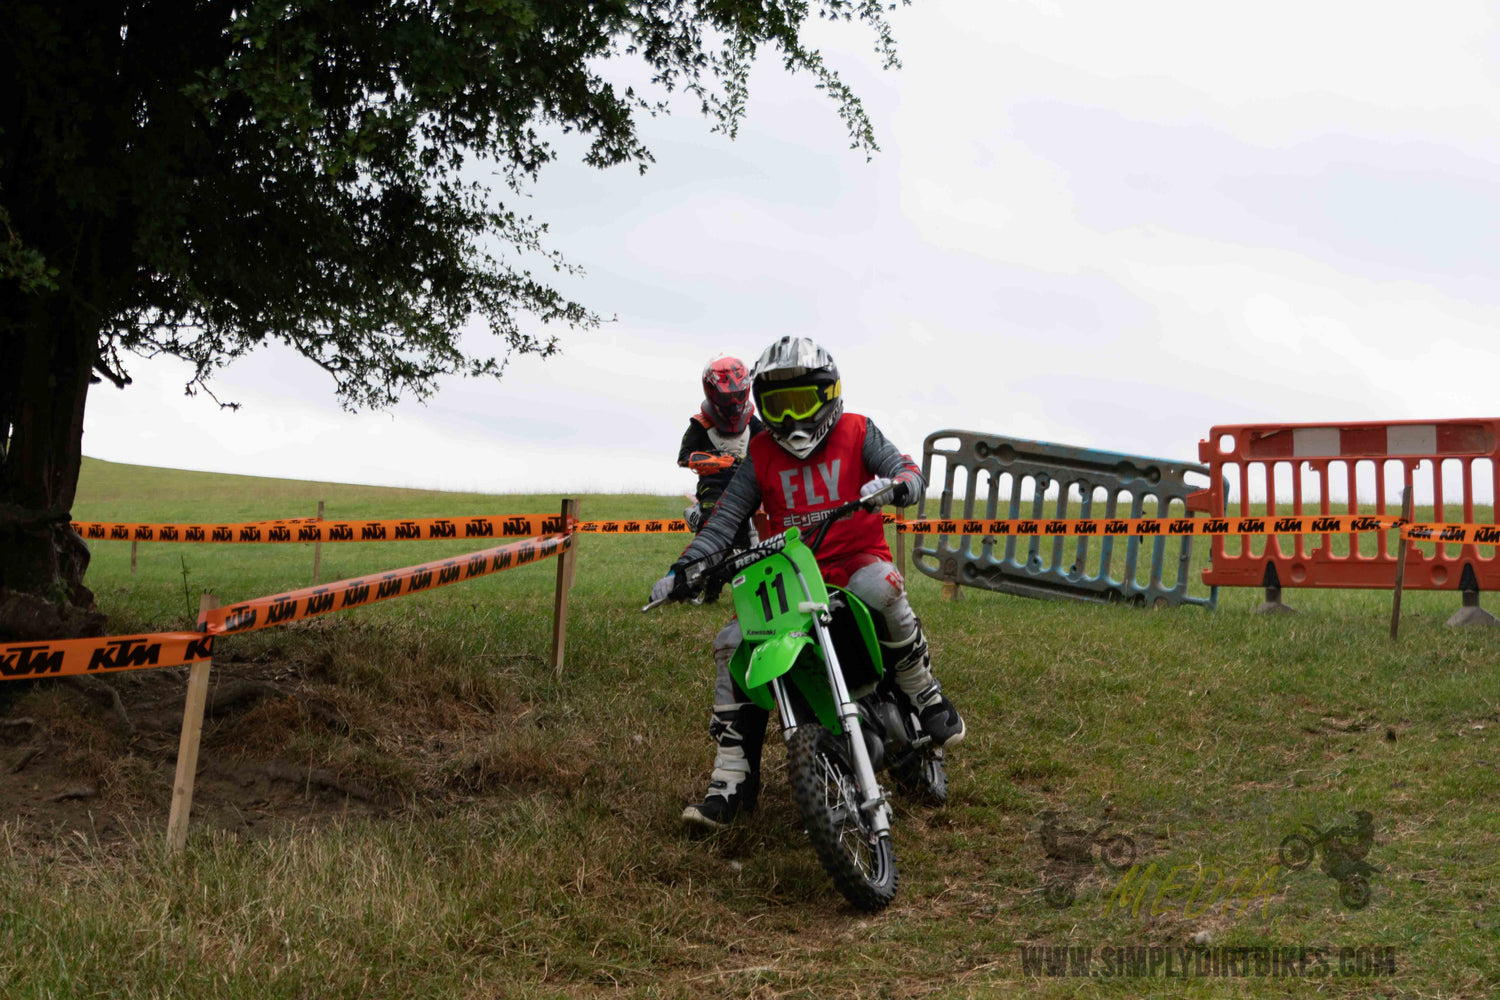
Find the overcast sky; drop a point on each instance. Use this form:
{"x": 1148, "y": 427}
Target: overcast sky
{"x": 1102, "y": 224}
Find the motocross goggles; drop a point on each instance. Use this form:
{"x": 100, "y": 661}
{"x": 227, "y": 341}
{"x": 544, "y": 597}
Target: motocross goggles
{"x": 797, "y": 402}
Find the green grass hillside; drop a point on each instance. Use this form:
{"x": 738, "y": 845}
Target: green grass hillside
{"x": 472, "y": 824}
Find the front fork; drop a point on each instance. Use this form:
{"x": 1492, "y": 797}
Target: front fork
{"x": 874, "y": 804}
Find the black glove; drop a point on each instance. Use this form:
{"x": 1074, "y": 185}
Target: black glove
{"x": 674, "y": 585}
{"x": 903, "y": 495}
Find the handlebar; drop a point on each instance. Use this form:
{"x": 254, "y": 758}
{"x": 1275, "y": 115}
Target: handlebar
{"x": 874, "y": 501}
{"x": 726, "y": 563}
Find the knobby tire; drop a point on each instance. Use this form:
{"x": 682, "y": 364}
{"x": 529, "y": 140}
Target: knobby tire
{"x": 863, "y": 868}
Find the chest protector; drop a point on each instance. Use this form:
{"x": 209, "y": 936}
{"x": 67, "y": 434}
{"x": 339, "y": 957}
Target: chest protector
{"x": 794, "y": 491}
{"x": 724, "y": 444}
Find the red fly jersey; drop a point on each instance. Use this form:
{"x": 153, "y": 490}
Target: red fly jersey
{"x": 799, "y": 491}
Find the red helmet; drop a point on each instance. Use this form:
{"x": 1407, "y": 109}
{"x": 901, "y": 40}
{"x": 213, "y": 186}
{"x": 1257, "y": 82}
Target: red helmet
{"x": 726, "y": 394}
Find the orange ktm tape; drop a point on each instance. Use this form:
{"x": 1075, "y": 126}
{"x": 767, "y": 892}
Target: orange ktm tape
{"x": 1464, "y": 534}
{"x": 278, "y": 609}
{"x": 661, "y": 526}
{"x": 62, "y": 657}
{"x": 1158, "y": 527}
{"x": 313, "y": 530}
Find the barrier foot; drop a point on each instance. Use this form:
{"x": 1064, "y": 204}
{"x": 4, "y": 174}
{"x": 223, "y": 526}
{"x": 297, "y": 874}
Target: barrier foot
{"x": 1471, "y": 613}
{"x": 1272, "y": 604}
{"x": 951, "y": 591}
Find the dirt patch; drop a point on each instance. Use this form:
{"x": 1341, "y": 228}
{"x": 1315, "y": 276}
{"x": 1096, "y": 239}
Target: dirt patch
{"x": 99, "y": 759}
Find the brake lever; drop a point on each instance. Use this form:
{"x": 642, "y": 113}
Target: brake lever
{"x": 879, "y": 498}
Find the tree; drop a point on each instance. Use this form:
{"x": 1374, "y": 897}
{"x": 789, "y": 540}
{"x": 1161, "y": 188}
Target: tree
{"x": 194, "y": 179}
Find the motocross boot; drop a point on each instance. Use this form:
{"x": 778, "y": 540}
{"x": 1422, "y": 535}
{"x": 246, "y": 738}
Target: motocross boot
{"x": 911, "y": 663}
{"x": 740, "y": 731}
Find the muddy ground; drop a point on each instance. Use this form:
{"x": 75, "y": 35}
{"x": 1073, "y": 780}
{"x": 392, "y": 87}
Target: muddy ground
{"x": 98, "y": 758}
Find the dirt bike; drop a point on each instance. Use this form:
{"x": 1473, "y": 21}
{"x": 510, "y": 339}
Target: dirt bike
{"x": 1117, "y": 851}
{"x": 1074, "y": 847}
{"x": 1344, "y": 849}
{"x": 811, "y": 653}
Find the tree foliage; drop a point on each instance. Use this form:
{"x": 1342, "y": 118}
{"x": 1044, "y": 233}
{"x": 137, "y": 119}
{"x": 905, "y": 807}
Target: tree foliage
{"x": 202, "y": 177}
{"x": 197, "y": 178}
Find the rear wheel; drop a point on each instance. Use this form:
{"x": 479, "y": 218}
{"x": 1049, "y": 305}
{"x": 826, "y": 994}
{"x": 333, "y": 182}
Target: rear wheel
{"x": 1354, "y": 892}
{"x": 920, "y": 774}
{"x": 861, "y": 864}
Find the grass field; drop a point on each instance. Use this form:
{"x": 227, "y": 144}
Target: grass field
{"x": 523, "y": 839}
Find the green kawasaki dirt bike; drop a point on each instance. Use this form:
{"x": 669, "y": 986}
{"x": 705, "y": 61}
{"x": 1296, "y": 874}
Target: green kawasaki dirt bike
{"x": 810, "y": 652}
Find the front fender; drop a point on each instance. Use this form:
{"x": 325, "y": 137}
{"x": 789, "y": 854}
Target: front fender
{"x": 753, "y": 667}
{"x": 773, "y": 658}
{"x": 782, "y": 656}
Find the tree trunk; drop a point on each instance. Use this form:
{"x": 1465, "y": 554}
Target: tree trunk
{"x": 50, "y": 345}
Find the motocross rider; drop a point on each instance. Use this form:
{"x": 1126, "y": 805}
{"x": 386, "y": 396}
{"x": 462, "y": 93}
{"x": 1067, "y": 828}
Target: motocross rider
{"x": 716, "y": 441}
{"x": 812, "y": 458}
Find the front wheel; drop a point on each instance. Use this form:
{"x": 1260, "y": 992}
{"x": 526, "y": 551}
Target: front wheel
{"x": 861, "y": 863}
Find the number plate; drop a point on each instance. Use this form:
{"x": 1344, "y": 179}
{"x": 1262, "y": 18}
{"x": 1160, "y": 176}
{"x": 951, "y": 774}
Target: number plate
{"x": 766, "y": 597}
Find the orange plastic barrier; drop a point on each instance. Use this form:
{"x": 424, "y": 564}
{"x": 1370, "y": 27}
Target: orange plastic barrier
{"x": 1316, "y": 459}
{"x": 61, "y": 657}
{"x": 278, "y": 609}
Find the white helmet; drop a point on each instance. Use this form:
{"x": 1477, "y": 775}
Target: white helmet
{"x": 797, "y": 390}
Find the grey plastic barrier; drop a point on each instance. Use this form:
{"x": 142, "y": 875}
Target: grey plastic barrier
{"x": 1004, "y": 477}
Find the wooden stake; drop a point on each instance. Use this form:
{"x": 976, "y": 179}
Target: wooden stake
{"x": 901, "y": 544}
{"x": 1400, "y": 565}
{"x": 132, "y": 558}
{"x": 318, "y": 548}
{"x": 565, "y": 563}
{"x": 187, "y": 746}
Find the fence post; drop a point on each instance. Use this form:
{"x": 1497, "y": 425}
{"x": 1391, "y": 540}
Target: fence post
{"x": 187, "y": 746}
{"x": 1400, "y": 564}
{"x": 900, "y": 542}
{"x": 318, "y": 547}
{"x": 565, "y": 563}
{"x": 133, "y": 544}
